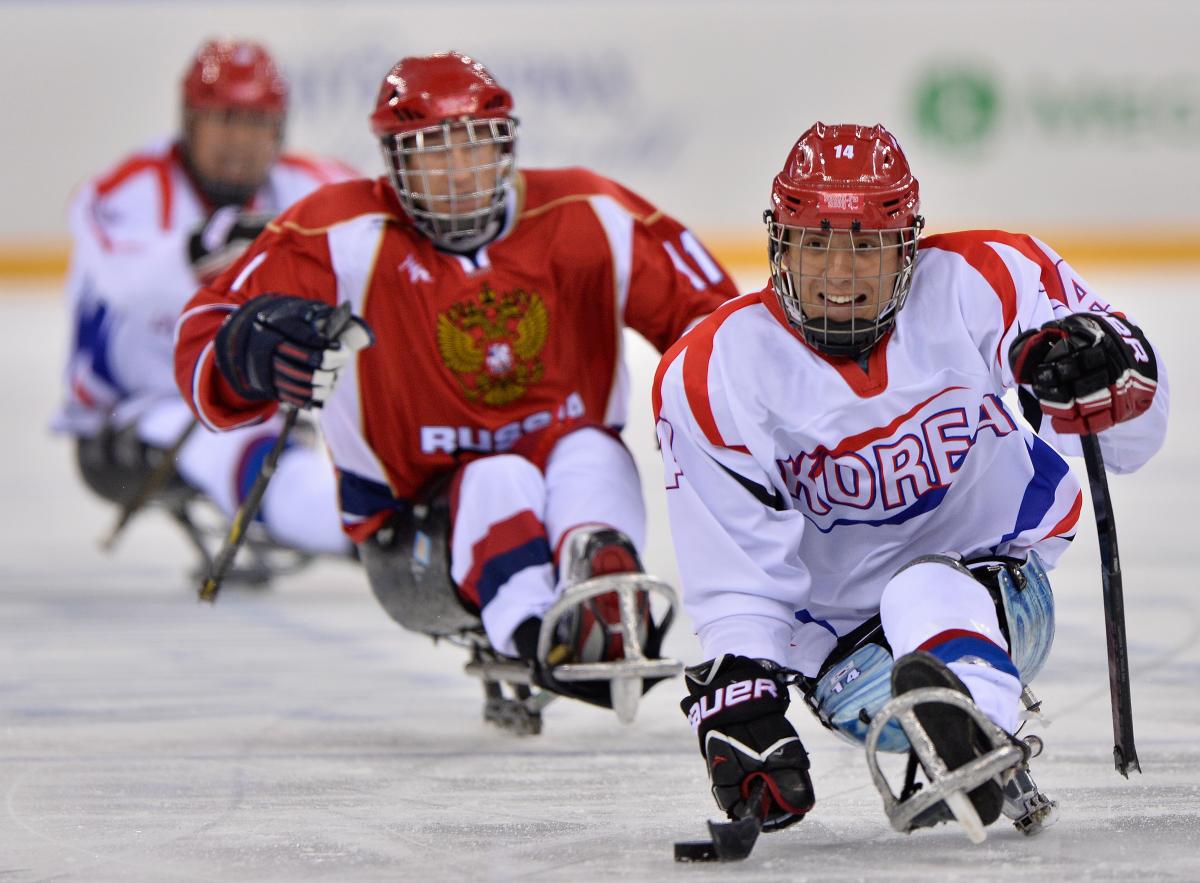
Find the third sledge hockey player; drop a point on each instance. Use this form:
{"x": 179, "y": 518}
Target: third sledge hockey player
{"x": 146, "y": 234}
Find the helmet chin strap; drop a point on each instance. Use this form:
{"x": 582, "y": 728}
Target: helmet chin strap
{"x": 468, "y": 245}
{"x": 490, "y": 232}
{"x": 471, "y": 244}
{"x": 841, "y": 338}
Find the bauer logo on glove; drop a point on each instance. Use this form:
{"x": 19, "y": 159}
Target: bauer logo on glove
{"x": 728, "y": 696}
{"x": 737, "y": 707}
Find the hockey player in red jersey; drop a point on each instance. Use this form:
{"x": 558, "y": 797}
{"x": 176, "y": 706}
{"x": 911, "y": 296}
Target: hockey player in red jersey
{"x": 146, "y": 234}
{"x": 852, "y": 501}
{"x": 475, "y": 442}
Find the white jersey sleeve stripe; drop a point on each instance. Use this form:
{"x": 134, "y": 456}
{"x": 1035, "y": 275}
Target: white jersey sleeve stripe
{"x": 618, "y": 229}
{"x": 196, "y": 311}
{"x": 205, "y": 355}
{"x": 247, "y": 270}
{"x": 353, "y": 251}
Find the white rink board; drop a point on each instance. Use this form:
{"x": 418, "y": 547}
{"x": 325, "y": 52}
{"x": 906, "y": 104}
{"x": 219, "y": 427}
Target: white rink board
{"x": 300, "y": 735}
{"x": 1017, "y": 113}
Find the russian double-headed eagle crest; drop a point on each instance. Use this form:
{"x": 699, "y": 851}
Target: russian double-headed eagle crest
{"x": 492, "y": 343}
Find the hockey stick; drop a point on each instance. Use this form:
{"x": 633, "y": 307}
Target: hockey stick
{"x": 334, "y": 325}
{"x": 1124, "y": 753}
{"x": 246, "y": 512}
{"x": 154, "y": 482}
{"x": 731, "y": 841}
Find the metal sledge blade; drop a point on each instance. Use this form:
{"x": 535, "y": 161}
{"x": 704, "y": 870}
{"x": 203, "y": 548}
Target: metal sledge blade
{"x": 521, "y": 713}
{"x": 1030, "y": 810}
{"x": 522, "y": 718}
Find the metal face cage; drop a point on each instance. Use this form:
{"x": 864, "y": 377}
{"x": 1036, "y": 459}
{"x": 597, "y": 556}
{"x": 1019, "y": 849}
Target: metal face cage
{"x": 842, "y": 288}
{"x": 451, "y": 177}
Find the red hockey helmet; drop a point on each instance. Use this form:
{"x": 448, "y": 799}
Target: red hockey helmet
{"x": 234, "y": 75}
{"x": 841, "y": 175}
{"x": 448, "y": 140}
{"x": 426, "y": 91}
{"x": 843, "y": 228}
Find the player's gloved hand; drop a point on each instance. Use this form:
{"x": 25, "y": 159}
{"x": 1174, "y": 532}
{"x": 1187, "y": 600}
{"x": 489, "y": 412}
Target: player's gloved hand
{"x": 221, "y": 239}
{"x": 277, "y": 347}
{"x": 737, "y": 708}
{"x": 1088, "y": 371}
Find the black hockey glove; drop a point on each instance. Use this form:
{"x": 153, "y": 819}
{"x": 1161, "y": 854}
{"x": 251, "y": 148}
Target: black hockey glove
{"x": 275, "y": 347}
{"x": 221, "y": 239}
{"x": 1088, "y": 371}
{"x": 737, "y": 708}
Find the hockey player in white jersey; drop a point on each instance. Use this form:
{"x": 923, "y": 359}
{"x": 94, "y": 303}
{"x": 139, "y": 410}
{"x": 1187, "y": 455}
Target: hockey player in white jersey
{"x": 146, "y": 234}
{"x": 852, "y": 500}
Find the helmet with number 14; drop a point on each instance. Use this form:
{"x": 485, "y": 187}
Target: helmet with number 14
{"x": 843, "y": 229}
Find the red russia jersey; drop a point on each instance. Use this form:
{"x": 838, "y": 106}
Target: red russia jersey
{"x": 473, "y": 355}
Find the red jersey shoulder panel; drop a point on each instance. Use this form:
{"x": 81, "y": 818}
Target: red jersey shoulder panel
{"x": 973, "y": 247}
{"x": 334, "y": 204}
{"x": 697, "y": 346}
{"x": 545, "y": 189}
{"x": 1027, "y": 246}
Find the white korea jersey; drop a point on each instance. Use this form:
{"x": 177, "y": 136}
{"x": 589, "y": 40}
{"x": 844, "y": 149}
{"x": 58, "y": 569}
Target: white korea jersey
{"x": 130, "y": 276}
{"x": 797, "y": 485}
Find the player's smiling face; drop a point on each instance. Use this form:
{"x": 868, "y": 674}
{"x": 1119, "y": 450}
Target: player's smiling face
{"x": 452, "y": 170}
{"x": 844, "y": 276}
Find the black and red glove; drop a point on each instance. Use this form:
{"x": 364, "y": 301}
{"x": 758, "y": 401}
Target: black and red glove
{"x": 737, "y": 707}
{"x": 280, "y": 347}
{"x": 1088, "y": 371}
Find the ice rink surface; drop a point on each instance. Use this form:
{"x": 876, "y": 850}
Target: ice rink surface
{"x": 299, "y": 734}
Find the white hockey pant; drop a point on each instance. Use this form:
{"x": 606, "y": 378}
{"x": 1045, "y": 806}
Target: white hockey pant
{"x": 300, "y": 508}
{"x": 509, "y": 519}
{"x": 936, "y": 607}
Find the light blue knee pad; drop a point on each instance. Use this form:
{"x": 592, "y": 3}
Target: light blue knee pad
{"x": 854, "y": 689}
{"x": 861, "y": 683}
{"x": 1030, "y": 614}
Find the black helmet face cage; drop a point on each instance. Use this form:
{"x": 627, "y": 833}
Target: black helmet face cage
{"x": 450, "y": 184}
{"x": 842, "y": 288}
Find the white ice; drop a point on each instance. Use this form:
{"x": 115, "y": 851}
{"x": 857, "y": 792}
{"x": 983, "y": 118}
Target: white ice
{"x": 300, "y": 734}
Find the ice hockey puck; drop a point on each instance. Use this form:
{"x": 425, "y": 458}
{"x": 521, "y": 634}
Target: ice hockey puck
{"x": 695, "y": 851}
